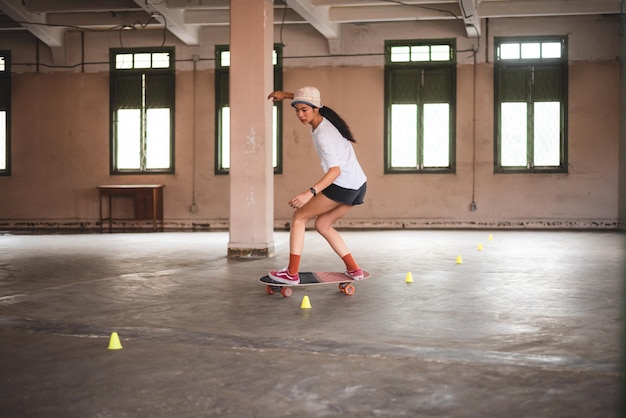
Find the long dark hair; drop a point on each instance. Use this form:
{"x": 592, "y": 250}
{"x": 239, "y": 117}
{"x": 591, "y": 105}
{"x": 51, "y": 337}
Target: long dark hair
{"x": 338, "y": 122}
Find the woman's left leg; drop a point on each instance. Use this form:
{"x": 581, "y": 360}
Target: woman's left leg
{"x": 324, "y": 225}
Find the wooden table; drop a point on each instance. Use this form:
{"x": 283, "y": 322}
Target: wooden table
{"x": 147, "y": 199}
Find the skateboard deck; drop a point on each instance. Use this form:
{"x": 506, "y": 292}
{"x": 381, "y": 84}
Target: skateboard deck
{"x": 346, "y": 284}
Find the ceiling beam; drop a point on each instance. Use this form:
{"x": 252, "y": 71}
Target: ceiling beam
{"x": 528, "y": 8}
{"x": 470, "y": 16}
{"x": 218, "y": 17}
{"x": 104, "y": 20}
{"x": 393, "y": 13}
{"x": 317, "y": 16}
{"x": 46, "y": 6}
{"x": 340, "y": 3}
{"x": 173, "y": 19}
{"x": 198, "y": 4}
{"x": 34, "y": 23}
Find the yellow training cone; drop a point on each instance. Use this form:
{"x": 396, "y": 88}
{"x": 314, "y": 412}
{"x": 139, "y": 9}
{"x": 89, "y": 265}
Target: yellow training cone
{"x": 306, "y": 304}
{"x": 480, "y": 247}
{"x": 409, "y": 277}
{"x": 490, "y": 238}
{"x": 114, "y": 342}
{"x": 459, "y": 260}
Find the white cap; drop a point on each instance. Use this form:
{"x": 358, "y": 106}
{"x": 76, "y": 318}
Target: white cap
{"x": 307, "y": 95}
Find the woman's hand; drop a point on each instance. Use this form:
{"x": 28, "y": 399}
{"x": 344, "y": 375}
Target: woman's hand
{"x": 277, "y": 96}
{"x": 301, "y": 200}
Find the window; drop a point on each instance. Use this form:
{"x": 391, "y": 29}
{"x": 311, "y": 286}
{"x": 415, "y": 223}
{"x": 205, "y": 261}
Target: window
{"x": 142, "y": 92}
{"x": 530, "y": 77}
{"x": 222, "y": 110}
{"x": 420, "y": 92}
{"x": 5, "y": 113}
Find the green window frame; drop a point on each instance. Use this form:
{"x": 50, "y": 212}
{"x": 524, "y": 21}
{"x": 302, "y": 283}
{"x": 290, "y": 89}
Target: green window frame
{"x": 222, "y": 110}
{"x": 530, "y": 88}
{"x": 5, "y": 113}
{"x": 420, "y": 106}
{"x": 142, "y": 109}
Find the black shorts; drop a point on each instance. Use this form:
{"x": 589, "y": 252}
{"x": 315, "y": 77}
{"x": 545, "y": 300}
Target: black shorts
{"x": 345, "y": 196}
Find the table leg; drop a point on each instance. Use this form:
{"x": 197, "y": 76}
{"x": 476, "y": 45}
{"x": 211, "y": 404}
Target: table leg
{"x": 110, "y": 213}
{"x": 100, "y": 210}
{"x": 154, "y": 209}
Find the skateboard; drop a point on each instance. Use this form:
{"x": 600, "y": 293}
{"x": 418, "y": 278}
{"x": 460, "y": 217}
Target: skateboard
{"x": 311, "y": 279}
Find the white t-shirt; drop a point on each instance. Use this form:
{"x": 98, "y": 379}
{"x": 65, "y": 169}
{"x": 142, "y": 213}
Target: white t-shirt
{"x": 335, "y": 150}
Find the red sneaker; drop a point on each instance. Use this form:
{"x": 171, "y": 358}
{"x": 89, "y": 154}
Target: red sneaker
{"x": 354, "y": 274}
{"x": 283, "y": 276}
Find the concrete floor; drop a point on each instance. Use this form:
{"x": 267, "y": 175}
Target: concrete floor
{"x": 528, "y": 327}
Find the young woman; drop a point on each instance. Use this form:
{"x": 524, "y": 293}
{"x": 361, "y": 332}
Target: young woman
{"x": 342, "y": 186}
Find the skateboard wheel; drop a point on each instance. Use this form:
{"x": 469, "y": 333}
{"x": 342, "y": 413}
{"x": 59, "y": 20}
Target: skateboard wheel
{"x": 342, "y": 287}
{"x": 286, "y": 292}
{"x": 269, "y": 290}
{"x": 349, "y": 290}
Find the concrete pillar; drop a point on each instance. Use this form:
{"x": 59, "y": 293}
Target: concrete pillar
{"x": 251, "y": 172}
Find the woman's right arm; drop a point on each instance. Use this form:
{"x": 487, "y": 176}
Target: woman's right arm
{"x": 277, "y": 96}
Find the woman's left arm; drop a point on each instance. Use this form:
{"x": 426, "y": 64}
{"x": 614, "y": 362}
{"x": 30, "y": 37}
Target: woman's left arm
{"x": 330, "y": 176}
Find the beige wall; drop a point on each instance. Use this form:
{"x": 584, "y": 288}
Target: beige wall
{"x": 60, "y": 136}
